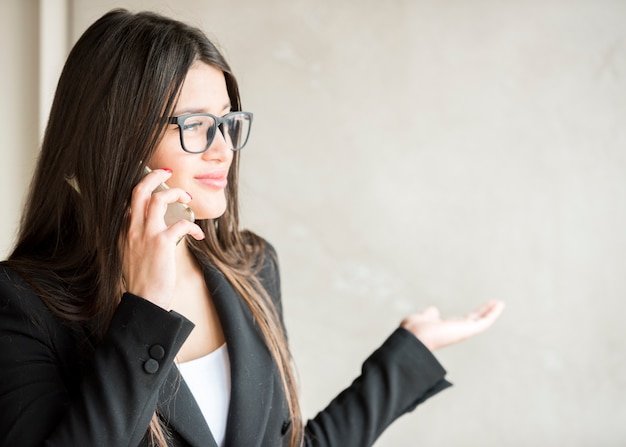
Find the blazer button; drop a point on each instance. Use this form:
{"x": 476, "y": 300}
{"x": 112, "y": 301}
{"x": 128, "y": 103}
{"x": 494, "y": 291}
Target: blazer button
{"x": 157, "y": 352}
{"x": 151, "y": 366}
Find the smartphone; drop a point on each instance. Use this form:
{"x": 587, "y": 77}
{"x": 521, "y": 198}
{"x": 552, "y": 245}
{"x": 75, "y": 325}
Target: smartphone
{"x": 176, "y": 210}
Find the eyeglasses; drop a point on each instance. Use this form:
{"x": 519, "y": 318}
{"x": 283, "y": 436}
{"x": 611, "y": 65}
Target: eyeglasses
{"x": 197, "y": 130}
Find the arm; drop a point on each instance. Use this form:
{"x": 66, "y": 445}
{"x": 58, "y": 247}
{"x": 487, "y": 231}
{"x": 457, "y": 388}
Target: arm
{"x": 46, "y": 400}
{"x": 397, "y": 377}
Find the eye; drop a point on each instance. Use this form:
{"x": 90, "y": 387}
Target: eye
{"x": 193, "y": 125}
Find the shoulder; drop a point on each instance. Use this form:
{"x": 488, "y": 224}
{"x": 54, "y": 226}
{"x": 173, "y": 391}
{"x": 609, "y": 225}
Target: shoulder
{"x": 262, "y": 256}
{"x": 17, "y": 295}
{"x": 14, "y": 289}
{"x": 8, "y": 276}
{"x": 23, "y": 315}
{"x": 267, "y": 267}
{"x": 269, "y": 261}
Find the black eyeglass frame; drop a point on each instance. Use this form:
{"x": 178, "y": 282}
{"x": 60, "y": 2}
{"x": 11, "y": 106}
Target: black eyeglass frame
{"x": 219, "y": 121}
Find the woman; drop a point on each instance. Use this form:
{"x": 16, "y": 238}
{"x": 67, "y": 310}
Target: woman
{"x": 119, "y": 330}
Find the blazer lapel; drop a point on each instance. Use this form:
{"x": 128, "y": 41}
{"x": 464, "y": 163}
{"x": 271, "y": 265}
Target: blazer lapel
{"x": 177, "y": 405}
{"x": 251, "y": 364}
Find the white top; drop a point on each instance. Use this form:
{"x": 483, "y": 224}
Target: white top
{"x": 208, "y": 378}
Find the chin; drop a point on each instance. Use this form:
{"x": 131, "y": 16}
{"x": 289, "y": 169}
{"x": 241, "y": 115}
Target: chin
{"x": 212, "y": 212}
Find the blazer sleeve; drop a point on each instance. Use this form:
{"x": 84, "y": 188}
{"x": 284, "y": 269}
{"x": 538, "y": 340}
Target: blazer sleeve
{"x": 397, "y": 377}
{"x": 114, "y": 397}
{"x": 401, "y": 374}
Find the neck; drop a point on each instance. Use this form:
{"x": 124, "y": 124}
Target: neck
{"x": 186, "y": 263}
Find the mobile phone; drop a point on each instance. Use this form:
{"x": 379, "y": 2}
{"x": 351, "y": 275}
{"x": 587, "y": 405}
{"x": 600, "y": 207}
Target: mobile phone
{"x": 176, "y": 210}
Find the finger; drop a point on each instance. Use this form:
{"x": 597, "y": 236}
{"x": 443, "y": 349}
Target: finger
{"x": 494, "y": 311}
{"x": 159, "y": 201}
{"x": 487, "y": 314}
{"x": 484, "y": 310}
{"x": 430, "y": 312}
{"x": 183, "y": 228}
{"x": 142, "y": 194}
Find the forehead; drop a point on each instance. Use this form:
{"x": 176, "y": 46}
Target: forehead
{"x": 204, "y": 89}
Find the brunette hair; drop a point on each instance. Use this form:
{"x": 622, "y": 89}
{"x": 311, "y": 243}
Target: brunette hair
{"x": 118, "y": 86}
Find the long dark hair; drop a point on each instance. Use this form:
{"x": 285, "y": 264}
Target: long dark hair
{"x": 118, "y": 86}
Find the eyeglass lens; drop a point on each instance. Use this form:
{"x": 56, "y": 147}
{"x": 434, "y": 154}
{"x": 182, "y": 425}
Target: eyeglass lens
{"x": 198, "y": 131}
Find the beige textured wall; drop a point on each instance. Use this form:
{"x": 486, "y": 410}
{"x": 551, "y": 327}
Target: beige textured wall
{"x": 408, "y": 153}
{"x": 19, "y": 113}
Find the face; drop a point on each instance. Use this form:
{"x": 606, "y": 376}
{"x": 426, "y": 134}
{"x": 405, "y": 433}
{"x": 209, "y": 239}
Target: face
{"x": 202, "y": 175}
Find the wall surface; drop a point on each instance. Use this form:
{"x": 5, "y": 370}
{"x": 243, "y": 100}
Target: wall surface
{"x": 19, "y": 114}
{"x": 408, "y": 153}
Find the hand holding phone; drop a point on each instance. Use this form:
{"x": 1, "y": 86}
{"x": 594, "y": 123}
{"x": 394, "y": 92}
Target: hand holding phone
{"x": 176, "y": 210}
{"x": 150, "y": 247}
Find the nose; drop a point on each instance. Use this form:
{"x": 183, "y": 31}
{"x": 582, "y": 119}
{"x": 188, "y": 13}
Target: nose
{"x": 219, "y": 148}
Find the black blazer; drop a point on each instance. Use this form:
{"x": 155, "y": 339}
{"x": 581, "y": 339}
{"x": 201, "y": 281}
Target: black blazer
{"x": 47, "y": 397}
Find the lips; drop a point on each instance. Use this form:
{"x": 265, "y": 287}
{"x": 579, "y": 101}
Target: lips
{"x": 214, "y": 179}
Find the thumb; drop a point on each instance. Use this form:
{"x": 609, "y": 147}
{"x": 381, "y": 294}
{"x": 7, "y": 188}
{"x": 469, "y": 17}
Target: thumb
{"x": 430, "y": 313}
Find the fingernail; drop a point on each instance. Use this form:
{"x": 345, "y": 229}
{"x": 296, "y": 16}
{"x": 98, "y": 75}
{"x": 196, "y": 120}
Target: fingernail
{"x": 167, "y": 170}
{"x": 190, "y": 196}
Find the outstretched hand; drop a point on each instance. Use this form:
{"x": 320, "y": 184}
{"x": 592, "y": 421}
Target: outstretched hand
{"x": 435, "y": 332}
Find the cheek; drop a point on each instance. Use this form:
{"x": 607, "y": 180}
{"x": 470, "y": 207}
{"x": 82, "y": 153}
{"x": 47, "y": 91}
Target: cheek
{"x": 167, "y": 151}
{"x": 165, "y": 156}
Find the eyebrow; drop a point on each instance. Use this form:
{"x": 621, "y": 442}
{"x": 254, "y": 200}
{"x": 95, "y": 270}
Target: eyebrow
{"x": 192, "y": 110}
